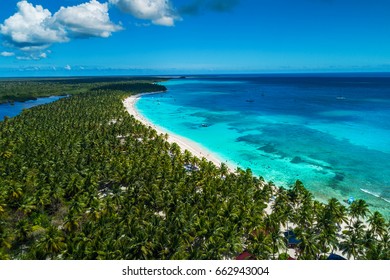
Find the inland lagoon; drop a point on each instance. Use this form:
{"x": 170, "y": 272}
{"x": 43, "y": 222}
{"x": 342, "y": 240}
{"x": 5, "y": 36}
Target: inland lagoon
{"x": 15, "y": 108}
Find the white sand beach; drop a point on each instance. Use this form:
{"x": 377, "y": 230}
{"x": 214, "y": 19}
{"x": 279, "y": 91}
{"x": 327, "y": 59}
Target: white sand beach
{"x": 184, "y": 143}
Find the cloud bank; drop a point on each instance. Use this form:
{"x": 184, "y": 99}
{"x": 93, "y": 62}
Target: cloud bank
{"x": 160, "y": 12}
{"x": 32, "y": 29}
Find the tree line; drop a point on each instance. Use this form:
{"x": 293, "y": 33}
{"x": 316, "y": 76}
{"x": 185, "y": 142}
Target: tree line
{"x": 21, "y": 90}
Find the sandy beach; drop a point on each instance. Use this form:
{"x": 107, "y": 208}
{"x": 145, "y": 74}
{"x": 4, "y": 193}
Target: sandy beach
{"x": 184, "y": 143}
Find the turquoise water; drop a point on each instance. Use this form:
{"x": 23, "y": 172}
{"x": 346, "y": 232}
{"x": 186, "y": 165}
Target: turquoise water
{"x": 332, "y": 133}
{"x": 12, "y": 110}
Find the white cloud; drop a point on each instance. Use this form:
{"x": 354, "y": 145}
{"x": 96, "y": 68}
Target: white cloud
{"x": 67, "y": 67}
{"x": 90, "y": 19}
{"x": 7, "y": 54}
{"x": 33, "y": 29}
{"x": 160, "y": 12}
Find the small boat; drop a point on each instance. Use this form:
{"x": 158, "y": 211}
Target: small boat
{"x": 250, "y": 100}
{"x": 340, "y": 98}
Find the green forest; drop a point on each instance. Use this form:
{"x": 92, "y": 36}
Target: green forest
{"x": 18, "y": 89}
{"x": 82, "y": 179}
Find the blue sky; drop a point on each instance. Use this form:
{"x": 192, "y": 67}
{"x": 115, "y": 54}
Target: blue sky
{"x": 88, "y": 37}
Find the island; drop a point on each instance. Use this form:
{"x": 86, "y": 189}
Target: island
{"x": 82, "y": 178}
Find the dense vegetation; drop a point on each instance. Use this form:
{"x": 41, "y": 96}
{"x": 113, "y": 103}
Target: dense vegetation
{"x": 82, "y": 179}
{"x": 30, "y": 89}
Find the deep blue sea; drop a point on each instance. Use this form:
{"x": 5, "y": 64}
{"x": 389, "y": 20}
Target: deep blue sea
{"x": 332, "y": 133}
{"x": 12, "y": 110}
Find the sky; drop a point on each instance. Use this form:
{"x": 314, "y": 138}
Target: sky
{"x": 138, "y": 37}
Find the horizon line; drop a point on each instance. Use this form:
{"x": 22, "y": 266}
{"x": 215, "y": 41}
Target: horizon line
{"x": 186, "y": 75}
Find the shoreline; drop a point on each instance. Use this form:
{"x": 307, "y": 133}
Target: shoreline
{"x": 185, "y": 144}
{"x": 202, "y": 152}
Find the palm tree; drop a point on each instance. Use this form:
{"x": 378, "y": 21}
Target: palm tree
{"x": 281, "y": 207}
{"x": 377, "y": 224}
{"x": 305, "y": 215}
{"x": 358, "y": 228}
{"x": 335, "y": 211}
{"x": 352, "y": 245}
{"x": 385, "y": 243}
{"x": 260, "y": 245}
{"x": 224, "y": 170}
{"x": 51, "y": 243}
{"x": 24, "y": 229}
{"x": 267, "y": 191}
{"x": 329, "y": 219}
{"x": 71, "y": 222}
{"x": 308, "y": 248}
{"x": 326, "y": 227}
{"x": 277, "y": 242}
{"x": 376, "y": 252}
{"x": 358, "y": 209}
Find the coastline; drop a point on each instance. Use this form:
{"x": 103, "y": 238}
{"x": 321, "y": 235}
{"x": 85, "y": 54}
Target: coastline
{"x": 184, "y": 143}
{"x": 201, "y": 152}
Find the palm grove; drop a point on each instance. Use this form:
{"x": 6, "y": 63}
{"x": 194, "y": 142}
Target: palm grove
{"x": 80, "y": 178}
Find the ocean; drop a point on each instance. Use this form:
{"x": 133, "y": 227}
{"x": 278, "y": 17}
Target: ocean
{"x": 330, "y": 132}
